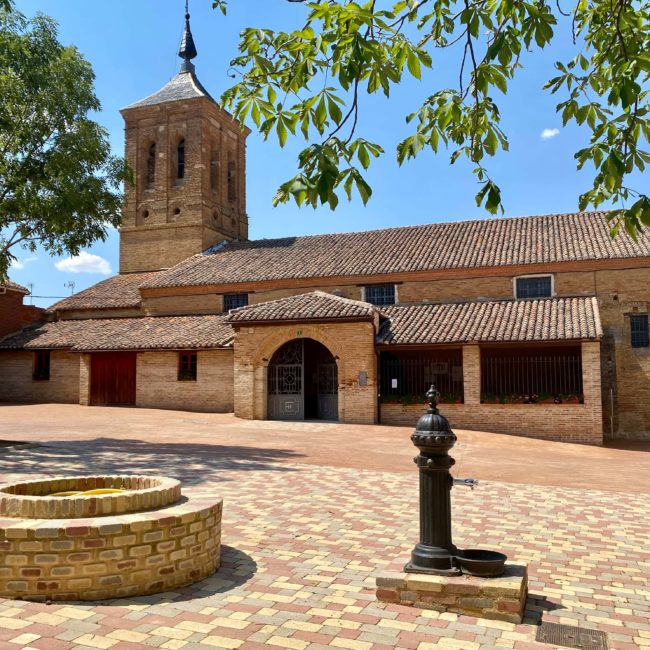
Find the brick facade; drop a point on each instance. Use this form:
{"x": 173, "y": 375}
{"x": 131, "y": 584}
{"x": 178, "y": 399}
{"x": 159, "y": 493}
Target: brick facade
{"x": 168, "y": 221}
{"x": 351, "y": 344}
{"x": 14, "y": 315}
{"x": 157, "y": 384}
{"x": 17, "y": 385}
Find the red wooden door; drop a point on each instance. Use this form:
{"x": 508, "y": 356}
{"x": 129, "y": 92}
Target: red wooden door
{"x": 112, "y": 379}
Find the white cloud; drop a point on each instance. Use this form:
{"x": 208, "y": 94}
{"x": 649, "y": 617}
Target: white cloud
{"x": 19, "y": 265}
{"x": 547, "y": 134}
{"x": 84, "y": 263}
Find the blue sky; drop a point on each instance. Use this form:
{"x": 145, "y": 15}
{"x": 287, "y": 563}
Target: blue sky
{"x": 132, "y": 46}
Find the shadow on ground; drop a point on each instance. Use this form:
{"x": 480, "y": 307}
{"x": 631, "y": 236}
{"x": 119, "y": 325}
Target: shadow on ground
{"x": 536, "y": 606}
{"x": 192, "y": 464}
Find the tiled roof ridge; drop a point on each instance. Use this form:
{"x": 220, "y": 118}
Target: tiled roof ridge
{"x": 238, "y": 243}
{"x": 316, "y": 292}
{"x": 460, "y": 301}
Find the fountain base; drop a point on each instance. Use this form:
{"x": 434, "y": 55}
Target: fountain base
{"x": 502, "y": 598}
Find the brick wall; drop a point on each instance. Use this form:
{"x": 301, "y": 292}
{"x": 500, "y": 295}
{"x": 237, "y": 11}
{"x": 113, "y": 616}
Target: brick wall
{"x": 157, "y": 384}
{"x": 11, "y": 304}
{"x": 351, "y": 344}
{"x": 626, "y": 380}
{"x": 17, "y": 385}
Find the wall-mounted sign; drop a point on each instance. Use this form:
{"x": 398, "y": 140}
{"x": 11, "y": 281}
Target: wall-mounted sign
{"x": 299, "y": 333}
{"x": 363, "y": 378}
{"x": 393, "y": 383}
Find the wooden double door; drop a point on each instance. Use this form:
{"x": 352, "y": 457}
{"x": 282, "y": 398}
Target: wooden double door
{"x": 112, "y": 379}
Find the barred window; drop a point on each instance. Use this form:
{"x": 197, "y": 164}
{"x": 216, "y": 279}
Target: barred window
{"x": 41, "y": 369}
{"x": 639, "y": 330}
{"x": 187, "y": 366}
{"x": 380, "y": 294}
{"x": 534, "y": 287}
{"x": 234, "y": 300}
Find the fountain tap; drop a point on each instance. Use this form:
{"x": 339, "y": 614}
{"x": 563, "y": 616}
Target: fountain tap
{"x": 467, "y": 482}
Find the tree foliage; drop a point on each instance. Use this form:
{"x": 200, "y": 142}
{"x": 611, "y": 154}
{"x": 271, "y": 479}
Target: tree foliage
{"x": 308, "y": 81}
{"x": 59, "y": 184}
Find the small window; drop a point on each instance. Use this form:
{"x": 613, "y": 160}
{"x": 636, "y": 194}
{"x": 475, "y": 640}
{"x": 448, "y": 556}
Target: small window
{"x": 380, "y": 294}
{"x": 534, "y": 287}
{"x": 232, "y": 181}
{"x": 639, "y": 330}
{"x": 151, "y": 167}
{"x": 234, "y": 300}
{"x": 180, "y": 160}
{"x": 41, "y": 371}
{"x": 187, "y": 366}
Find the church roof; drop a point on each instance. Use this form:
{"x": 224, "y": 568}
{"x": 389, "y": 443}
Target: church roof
{"x": 185, "y": 85}
{"x": 118, "y": 292}
{"x": 147, "y": 333}
{"x": 313, "y": 306}
{"x": 494, "y": 242}
{"x": 501, "y": 321}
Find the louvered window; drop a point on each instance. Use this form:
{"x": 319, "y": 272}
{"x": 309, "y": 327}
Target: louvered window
{"x": 639, "y": 330}
{"x": 540, "y": 286}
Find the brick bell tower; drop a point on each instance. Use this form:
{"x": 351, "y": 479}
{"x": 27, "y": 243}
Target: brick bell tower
{"x": 189, "y": 162}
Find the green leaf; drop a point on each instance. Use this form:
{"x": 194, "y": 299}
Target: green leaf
{"x": 413, "y": 64}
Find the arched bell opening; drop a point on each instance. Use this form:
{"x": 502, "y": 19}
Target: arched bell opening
{"x": 302, "y": 382}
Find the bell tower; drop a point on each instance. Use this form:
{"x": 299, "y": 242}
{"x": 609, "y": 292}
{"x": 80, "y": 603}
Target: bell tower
{"x": 189, "y": 161}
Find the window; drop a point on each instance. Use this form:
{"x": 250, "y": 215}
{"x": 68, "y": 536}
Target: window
{"x": 537, "y": 286}
{"x": 232, "y": 181}
{"x": 234, "y": 300}
{"x": 380, "y": 294}
{"x": 151, "y": 167}
{"x": 180, "y": 160}
{"x": 41, "y": 371}
{"x": 187, "y": 366}
{"x": 639, "y": 330}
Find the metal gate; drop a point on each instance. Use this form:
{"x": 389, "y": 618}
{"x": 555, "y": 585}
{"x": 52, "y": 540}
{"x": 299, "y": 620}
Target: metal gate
{"x": 287, "y": 379}
{"x": 286, "y": 382}
{"x": 328, "y": 391}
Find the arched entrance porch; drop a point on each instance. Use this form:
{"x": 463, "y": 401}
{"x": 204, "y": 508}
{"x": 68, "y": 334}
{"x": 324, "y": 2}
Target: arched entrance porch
{"x": 302, "y": 382}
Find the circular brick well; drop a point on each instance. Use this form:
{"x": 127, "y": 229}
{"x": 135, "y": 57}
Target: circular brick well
{"x": 145, "y": 539}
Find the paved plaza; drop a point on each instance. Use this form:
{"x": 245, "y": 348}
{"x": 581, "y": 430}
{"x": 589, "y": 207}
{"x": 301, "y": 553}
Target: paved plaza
{"x": 312, "y": 512}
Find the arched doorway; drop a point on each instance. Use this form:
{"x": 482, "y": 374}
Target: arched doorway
{"x": 303, "y": 382}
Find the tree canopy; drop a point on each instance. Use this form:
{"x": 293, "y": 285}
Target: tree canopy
{"x": 59, "y": 183}
{"x": 307, "y": 82}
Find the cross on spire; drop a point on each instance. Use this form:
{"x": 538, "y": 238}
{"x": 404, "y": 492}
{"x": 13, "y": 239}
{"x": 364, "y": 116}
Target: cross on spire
{"x": 187, "y": 49}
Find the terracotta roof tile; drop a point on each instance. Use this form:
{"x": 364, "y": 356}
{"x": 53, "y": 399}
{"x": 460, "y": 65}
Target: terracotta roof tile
{"x": 14, "y": 286}
{"x": 313, "y": 306}
{"x": 551, "y": 319}
{"x": 447, "y": 245}
{"x": 148, "y": 333}
{"x": 118, "y": 292}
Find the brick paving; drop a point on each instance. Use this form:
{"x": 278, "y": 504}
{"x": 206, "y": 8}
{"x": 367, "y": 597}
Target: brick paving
{"x": 303, "y": 542}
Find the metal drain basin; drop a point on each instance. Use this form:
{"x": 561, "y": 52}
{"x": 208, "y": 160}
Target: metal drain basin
{"x": 569, "y": 636}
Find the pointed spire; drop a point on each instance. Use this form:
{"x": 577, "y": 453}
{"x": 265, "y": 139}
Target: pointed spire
{"x": 187, "y": 50}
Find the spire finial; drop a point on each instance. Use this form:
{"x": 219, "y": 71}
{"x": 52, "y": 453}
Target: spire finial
{"x": 187, "y": 50}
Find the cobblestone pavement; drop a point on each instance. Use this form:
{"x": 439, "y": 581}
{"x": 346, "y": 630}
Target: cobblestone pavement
{"x": 302, "y": 545}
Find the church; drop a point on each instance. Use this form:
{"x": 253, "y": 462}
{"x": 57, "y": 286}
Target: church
{"x": 533, "y": 326}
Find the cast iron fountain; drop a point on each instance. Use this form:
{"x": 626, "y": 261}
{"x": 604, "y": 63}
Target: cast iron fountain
{"x": 436, "y": 553}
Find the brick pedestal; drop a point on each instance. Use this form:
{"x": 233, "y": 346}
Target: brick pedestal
{"x": 502, "y": 598}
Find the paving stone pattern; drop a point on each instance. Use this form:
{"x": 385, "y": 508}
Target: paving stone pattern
{"x": 302, "y": 547}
